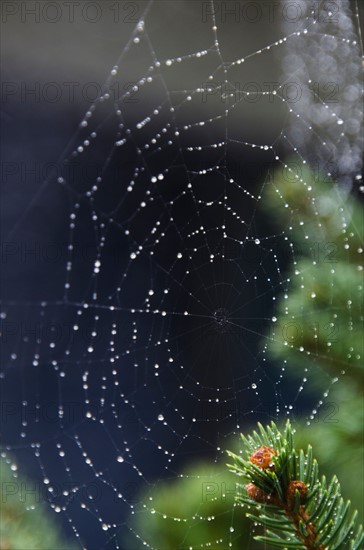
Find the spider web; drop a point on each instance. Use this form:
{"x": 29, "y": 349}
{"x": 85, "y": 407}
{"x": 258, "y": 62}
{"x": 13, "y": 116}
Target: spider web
{"x": 145, "y": 347}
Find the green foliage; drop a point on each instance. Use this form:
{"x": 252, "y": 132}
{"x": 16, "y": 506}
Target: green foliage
{"x": 25, "y": 523}
{"x": 321, "y": 321}
{"x": 336, "y": 434}
{"x": 195, "y": 510}
{"x": 315, "y": 516}
{"x": 331, "y": 436}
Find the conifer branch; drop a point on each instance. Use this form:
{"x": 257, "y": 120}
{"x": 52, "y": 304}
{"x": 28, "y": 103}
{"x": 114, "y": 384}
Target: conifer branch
{"x": 286, "y": 496}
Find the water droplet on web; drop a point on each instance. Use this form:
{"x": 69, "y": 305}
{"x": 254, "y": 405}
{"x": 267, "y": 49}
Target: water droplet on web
{"x": 160, "y": 417}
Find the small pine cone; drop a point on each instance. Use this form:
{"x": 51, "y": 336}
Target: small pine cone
{"x": 262, "y": 458}
{"x": 255, "y": 493}
{"x": 260, "y": 496}
{"x": 301, "y": 488}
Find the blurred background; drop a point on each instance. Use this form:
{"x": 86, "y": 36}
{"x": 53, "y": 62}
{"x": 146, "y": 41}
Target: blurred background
{"x": 118, "y": 190}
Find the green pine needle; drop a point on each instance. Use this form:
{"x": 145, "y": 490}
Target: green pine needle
{"x": 284, "y": 494}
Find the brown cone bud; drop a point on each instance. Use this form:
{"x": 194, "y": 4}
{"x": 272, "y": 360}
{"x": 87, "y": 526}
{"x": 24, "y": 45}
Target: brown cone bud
{"x": 255, "y": 493}
{"x": 300, "y": 487}
{"x": 262, "y": 458}
{"x": 260, "y": 496}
